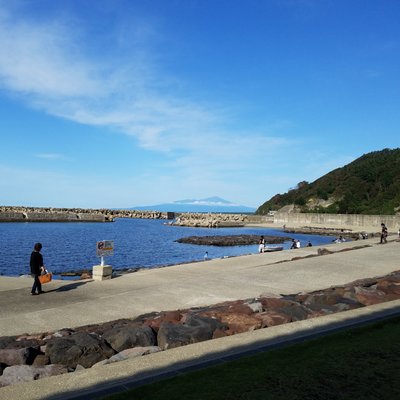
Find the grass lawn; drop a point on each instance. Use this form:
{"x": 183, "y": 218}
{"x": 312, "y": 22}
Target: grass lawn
{"x": 362, "y": 363}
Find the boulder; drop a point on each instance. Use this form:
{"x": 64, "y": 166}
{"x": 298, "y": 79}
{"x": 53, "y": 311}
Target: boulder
{"x": 41, "y": 360}
{"x": 195, "y": 329}
{"x": 133, "y": 353}
{"x": 25, "y": 373}
{"x": 128, "y": 337}
{"x": 323, "y": 251}
{"x": 273, "y": 303}
{"x": 79, "y": 348}
{"x": 272, "y": 318}
{"x": 235, "y": 322}
{"x": 370, "y": 296}
{"x": 292, "y": 309}
{"x": 155, "y": 322}
{"x": 24, "y": 356}
{"x": 390, "y": 285}
{"x": 329, "y": 301}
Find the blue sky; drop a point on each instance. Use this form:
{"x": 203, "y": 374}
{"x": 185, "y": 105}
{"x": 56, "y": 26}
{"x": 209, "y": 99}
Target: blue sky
{"x": 117, "y": 103}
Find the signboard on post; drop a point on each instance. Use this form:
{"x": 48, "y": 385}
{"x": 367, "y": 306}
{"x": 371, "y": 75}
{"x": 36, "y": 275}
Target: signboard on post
{"x": 104, "y": 248}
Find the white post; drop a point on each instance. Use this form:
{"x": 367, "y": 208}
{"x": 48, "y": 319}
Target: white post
{"x": 102, "y": 261}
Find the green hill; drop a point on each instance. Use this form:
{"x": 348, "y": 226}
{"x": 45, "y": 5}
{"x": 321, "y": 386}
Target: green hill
{"x": 368, "y": 185}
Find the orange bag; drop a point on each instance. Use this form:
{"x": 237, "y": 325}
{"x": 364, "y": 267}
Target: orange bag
{"x": 45, "y": 278}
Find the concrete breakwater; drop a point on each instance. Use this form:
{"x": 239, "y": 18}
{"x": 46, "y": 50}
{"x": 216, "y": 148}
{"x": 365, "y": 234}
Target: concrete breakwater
{"x": 209, "y": 220}
{"x": 38, "y": 214}
{"x": 336, "y": 220}
{"x": 50, "y": 214}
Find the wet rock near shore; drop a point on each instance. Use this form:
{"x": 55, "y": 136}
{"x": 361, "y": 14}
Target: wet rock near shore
{"x": 231, "y": 240}
{"x": 30, "y": 357}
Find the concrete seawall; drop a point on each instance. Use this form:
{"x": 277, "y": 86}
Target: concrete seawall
{"x": 342, "y": 220}
{"x": 50, "y": 217}
{"x": 360, "y": 221}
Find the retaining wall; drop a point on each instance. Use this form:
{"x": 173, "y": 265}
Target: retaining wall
{"x": 308, "y": 219}
{"x": 49, "y": 217}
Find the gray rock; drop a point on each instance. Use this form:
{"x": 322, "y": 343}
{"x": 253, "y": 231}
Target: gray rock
{"x": 128, "y": 337}
{"x": 25, "y": 373}
{"x": 80, "y": 348}
{"x": 256, "y": 307}
{"x": 24, "y": 356}
{"x": 196, "y": 329}
{"x": 324, "y": 252}
{"x": 133, "y": 353}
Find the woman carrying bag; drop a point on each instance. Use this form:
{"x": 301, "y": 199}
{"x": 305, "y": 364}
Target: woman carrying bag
{"x": 37, "y": 268}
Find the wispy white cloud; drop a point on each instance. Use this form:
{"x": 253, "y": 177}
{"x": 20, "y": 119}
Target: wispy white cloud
{"x": 51, "y": 156}
{"x": 46, "y": 64}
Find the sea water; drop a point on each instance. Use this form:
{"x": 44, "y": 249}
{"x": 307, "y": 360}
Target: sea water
{"x": 138, "y": 243}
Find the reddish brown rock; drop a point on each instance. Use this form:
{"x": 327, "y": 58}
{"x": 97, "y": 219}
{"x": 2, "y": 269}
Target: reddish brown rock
{"x": 272, "y": 303}
{"x": 173, "y": 317}
{"x": 272, "y": 318}
{"x": 239, "y": 323}
{"x": 219, "y": 333}
{"x": 390, "y": 285}
{"x": 368, "y": 296}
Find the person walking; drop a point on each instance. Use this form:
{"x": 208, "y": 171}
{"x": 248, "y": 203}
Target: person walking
{"x": 384, "y": 233}
{"x": 37, "y": 267}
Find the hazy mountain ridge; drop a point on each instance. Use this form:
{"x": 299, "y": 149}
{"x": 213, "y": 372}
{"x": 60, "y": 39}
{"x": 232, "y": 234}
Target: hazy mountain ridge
{"x": 209, "y": 204}
{"x": 368, "y": 185}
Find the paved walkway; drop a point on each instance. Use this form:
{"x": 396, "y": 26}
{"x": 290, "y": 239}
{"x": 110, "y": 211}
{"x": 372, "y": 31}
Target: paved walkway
{"x": 71, "y": 304}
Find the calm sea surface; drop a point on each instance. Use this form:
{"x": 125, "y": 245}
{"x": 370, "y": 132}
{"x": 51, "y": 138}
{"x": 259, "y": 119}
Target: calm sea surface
{"x": 138, "y": 243}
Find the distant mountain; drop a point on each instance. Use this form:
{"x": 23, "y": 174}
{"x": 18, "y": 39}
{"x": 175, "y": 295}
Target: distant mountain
{"x": 210, "y": 204}
{"x": 368, "y": 185}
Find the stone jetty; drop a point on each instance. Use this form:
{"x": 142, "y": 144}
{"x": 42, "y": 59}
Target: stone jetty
{"x": 211, "y": 220}
{"x": 231, "y": 240}
{"x": 50, "y": 214}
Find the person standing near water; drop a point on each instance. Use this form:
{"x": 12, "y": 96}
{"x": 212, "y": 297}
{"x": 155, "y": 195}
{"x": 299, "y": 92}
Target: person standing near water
{"x": 37, "y": 267}
{"x": 261, "y": 244}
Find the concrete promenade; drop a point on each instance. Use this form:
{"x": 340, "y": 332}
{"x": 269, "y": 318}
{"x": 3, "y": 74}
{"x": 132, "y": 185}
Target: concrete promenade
{"x": 72, "y": 304}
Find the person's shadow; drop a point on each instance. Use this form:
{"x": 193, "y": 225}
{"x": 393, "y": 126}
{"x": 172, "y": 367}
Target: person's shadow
{"x": 67, "y": 288}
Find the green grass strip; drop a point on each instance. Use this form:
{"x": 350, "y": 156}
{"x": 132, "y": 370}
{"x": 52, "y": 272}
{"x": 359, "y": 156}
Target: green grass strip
{"x": 362, "y": 363}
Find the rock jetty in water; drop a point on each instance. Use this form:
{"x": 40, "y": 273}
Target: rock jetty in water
{"x": 209, "y": 220}
{"x": 231, "y": 240}
{"x": 50, "y": 214}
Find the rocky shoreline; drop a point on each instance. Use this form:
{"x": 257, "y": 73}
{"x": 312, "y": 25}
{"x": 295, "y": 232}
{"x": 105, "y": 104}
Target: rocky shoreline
{"x": 346, "y": 233}
{"x": 30, "y": 357}
{"x": 231, "y": 240}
